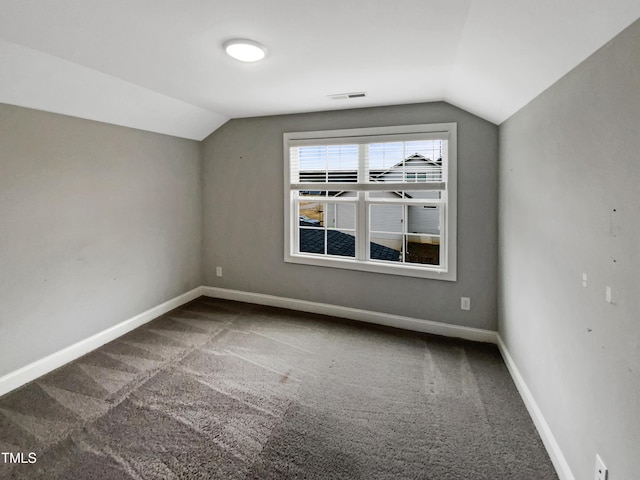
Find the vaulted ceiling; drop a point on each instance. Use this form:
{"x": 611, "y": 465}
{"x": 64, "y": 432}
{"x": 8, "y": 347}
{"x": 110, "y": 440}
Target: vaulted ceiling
{"x": 158, "y": 65}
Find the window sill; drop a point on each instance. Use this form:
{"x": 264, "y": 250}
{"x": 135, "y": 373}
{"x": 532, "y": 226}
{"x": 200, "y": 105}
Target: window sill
{"x": 404, "y": 270}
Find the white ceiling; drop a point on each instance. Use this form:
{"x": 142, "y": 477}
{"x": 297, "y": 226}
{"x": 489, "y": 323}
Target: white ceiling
{"x": 158, "y": 65}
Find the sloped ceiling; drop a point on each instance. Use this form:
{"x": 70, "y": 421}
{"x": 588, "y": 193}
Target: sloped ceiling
{"x": 158, "y": 65}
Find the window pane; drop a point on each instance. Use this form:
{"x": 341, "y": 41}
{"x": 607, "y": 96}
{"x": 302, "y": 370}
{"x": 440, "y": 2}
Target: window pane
{"x": 341, "y": 243}
{"x": 411, "y": 161}
{"x": 340, "y": 215}
{"x": 423, "y": 219}
{"x": 386, "y": 218}
{"x": 385, "y": 246}
{"x": 313, "y": 161}
{"x": 312, "y": 240}
{"x": 383, "y": 156}
{"x": 311, "y": 214}
{"x": 312, "y": 193}
{"x": 313, "y": 175}
{"x": 344, "y": 194}
{"x": 376, "y": 194}
{"x": 429, "y": 149}
{"x": 422, "y": 249}
{"x": 327, "y": 163}
{"x": 419, "y": 169}
{"x": 426, "y": 194}
{"x": 342, "y": 157}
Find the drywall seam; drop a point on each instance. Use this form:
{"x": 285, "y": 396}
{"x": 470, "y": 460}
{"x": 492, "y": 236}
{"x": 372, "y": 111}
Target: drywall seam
{"x": 30, "y": 372}
{"x": 553, "y": 448}
{"x": 407, "y": 323}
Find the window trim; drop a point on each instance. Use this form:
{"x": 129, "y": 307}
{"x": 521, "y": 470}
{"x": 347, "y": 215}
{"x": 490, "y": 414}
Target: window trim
{"x": 446, "y": 131}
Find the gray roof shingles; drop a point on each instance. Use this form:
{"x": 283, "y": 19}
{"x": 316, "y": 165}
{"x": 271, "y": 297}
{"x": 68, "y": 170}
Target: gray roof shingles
{"x": 341, "y": 244}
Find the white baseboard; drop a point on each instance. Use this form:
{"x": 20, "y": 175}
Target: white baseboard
{"x": 407, "y": 323}
{"x": 30, "y": 372}
{"x": 557, "y": 457}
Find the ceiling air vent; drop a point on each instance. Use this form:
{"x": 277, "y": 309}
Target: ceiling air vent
{"x": 345, "y": 96}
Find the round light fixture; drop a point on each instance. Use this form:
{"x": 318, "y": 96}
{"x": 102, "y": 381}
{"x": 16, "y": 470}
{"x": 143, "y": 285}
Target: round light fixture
{"x": 244, "y": 50}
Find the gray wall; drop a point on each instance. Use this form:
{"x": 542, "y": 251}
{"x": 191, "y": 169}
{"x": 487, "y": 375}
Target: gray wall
{"x": 244, "y": 225}
{"x": 97, "y": 224}
{"x": 567, "y": 161}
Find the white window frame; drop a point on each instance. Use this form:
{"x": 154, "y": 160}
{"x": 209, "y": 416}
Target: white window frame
{"x": 448, "y": 204}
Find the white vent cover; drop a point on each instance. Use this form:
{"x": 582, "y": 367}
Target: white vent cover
{"x": 345, "y": 96}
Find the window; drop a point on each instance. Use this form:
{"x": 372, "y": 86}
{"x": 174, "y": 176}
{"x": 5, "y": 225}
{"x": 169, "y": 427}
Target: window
{"x": 374, "y": 199}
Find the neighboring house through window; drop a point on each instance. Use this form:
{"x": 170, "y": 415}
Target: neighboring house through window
{"x": 376, "y": 199}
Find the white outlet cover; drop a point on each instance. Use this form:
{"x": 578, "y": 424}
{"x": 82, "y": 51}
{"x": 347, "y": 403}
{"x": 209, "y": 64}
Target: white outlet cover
{"x": 465, "y": 303}
{"x": 601, "y": 471}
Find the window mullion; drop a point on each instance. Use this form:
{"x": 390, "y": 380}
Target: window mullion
{"x": 294, "y": 234}
{"x": 443, "y": 236}
{"x": 362, "y": 220}
{"x": 404, "y": 233}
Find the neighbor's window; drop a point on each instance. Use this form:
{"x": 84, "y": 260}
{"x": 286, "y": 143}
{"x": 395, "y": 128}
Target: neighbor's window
{"x": 374, "y": 199}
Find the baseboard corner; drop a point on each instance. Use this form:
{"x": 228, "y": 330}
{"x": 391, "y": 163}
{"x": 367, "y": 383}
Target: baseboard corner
{"x": 17, "y": 378}
{"x": 558, "y": 459}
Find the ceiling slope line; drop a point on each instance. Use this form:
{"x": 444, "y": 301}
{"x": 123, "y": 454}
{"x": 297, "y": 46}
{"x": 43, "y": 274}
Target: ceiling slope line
{"x": 38, "y": 80}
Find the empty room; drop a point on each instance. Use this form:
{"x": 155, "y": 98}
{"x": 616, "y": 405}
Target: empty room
{"x": 348, "y": 240}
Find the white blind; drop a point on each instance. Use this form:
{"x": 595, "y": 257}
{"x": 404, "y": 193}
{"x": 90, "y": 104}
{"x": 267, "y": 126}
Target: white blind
{"x": 325, "y": 163}
{"x": 329, "y": 164}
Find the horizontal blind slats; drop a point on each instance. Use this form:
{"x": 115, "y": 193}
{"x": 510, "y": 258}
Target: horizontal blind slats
{"x": 368, "y": 187}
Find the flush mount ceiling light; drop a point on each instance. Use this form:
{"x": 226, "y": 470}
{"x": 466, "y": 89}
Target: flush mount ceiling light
{"x": 244, "y": 50}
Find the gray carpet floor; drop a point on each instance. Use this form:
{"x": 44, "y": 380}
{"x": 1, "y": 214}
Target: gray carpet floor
{"x": 226, "y": 390}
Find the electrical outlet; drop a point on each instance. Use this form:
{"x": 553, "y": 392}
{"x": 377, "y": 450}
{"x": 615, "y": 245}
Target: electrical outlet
{"x": 601, "y": 470}
{"x": 607, "y": 294}
{"x": 465, "y": 303}
{"x": 218, "y": 271}
{"x": 584, "y": 280}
